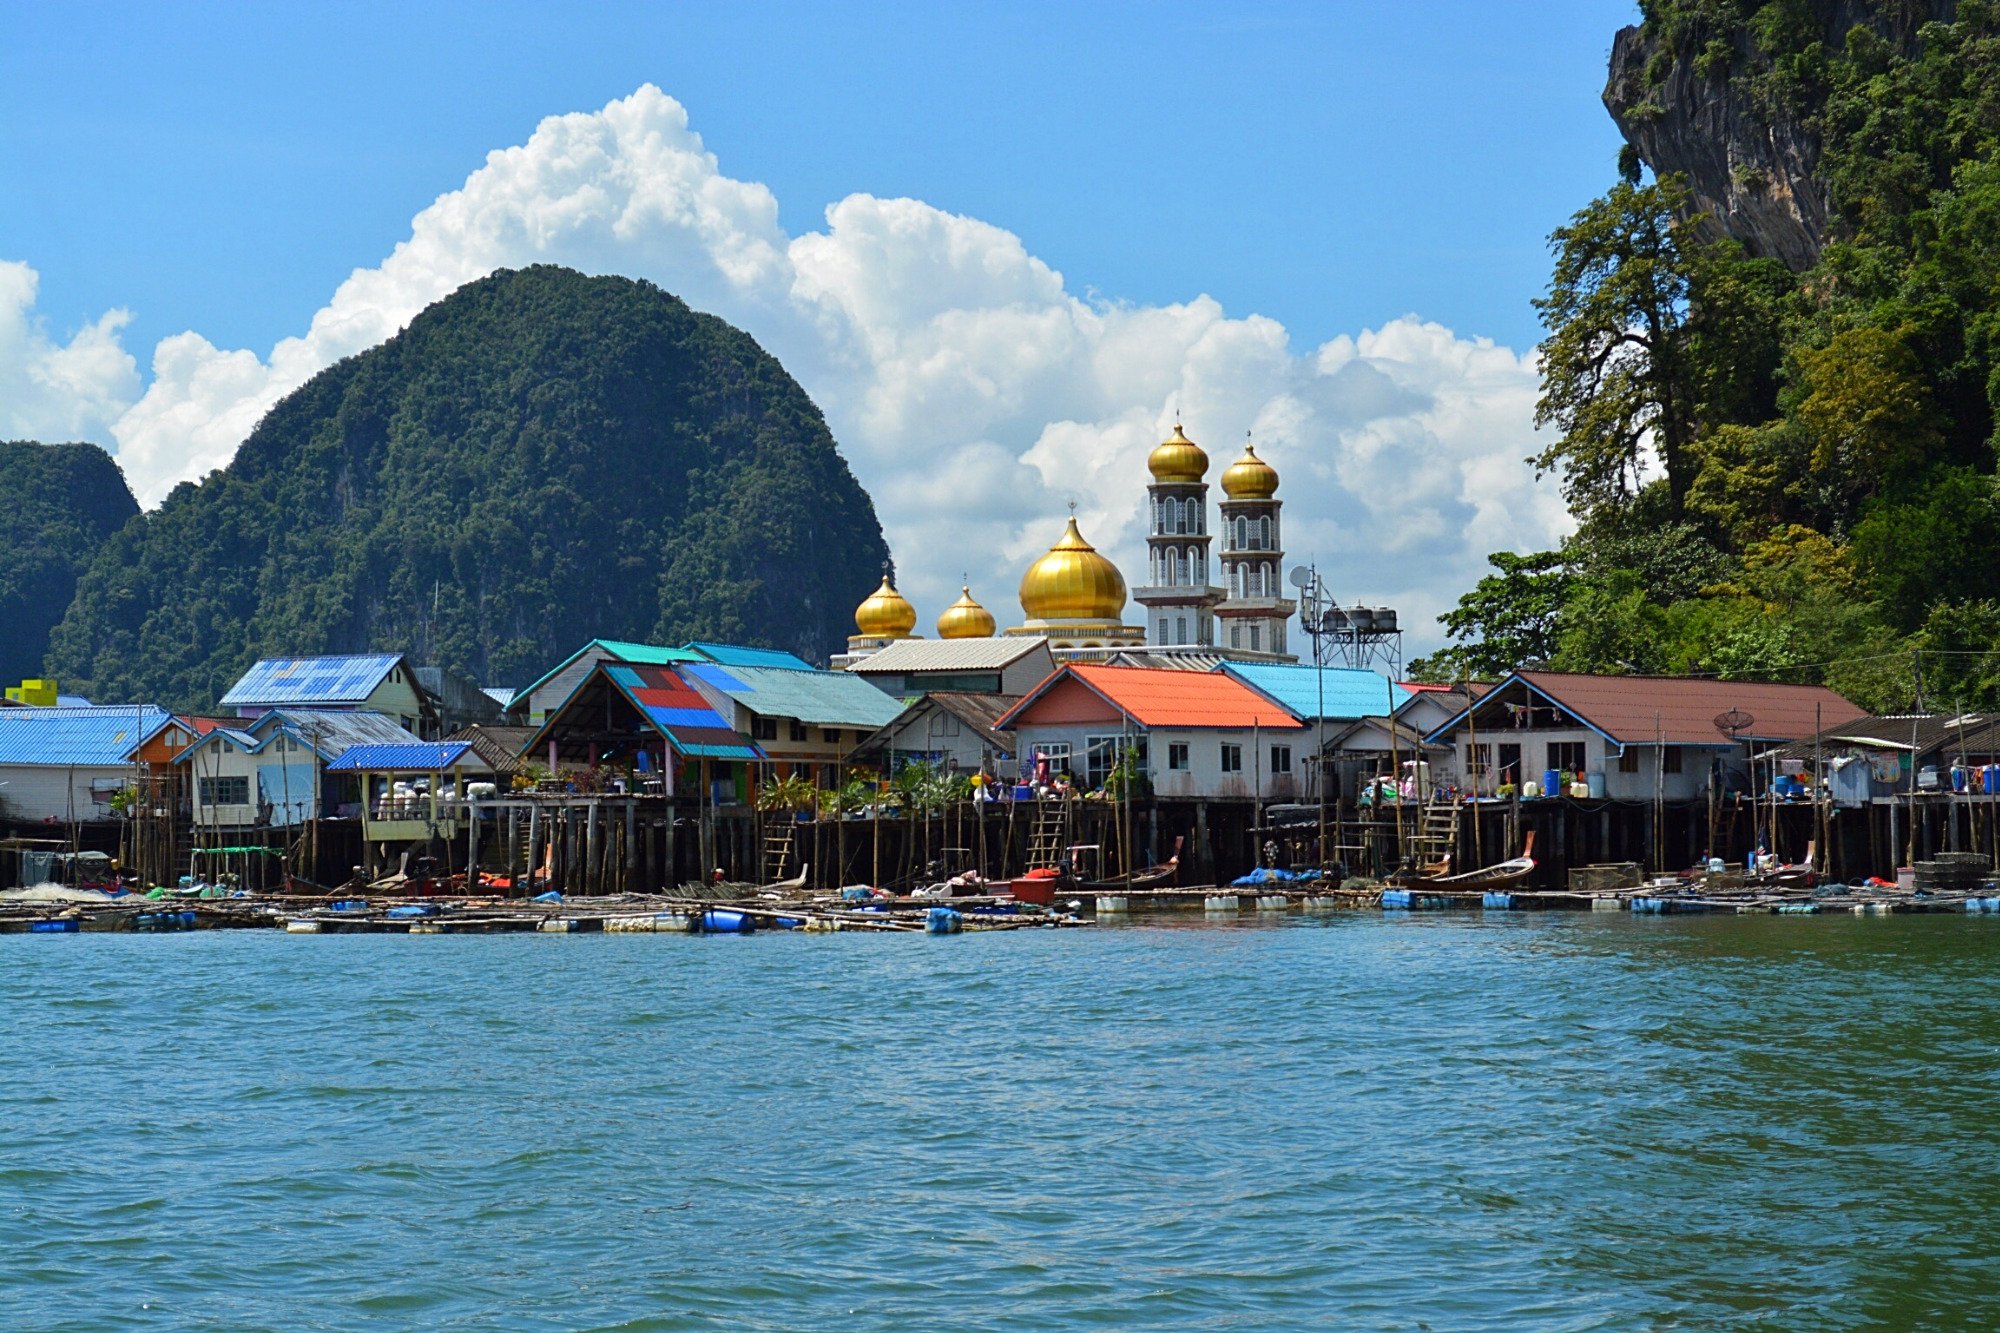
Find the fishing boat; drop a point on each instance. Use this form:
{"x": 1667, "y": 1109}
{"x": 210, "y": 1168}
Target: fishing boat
{"x": 1148, "y": 877}
{"x": 1486, "y": 879}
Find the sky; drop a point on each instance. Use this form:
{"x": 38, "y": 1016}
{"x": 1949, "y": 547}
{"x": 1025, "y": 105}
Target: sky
{"x": 1018, "y": 237}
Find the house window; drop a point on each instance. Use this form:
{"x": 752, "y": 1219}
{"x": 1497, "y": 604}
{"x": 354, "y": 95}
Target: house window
{"x": 1628, "y": 762}
{"x": 1567, "y": 756}
{"x": 224, "y": 791}
{"x": 763, "y": 728}
{"x": 1180, "y": 629}
{"x": 1670, "y": 759}
{"x": 1477, "y": 758}
{"x": 1256, "y": 638}
{"x": 1235, "y": 634}
{"x": 947, "y": 724}
{"x": 1232, "y": 757}
{"x": 1510, "y": 763}
{"x": 831, "y": 735}
{"x": 1281, "y": 759}
{"x": 1056, "y": 753}
{"x": 1177, "y": 756}
{"x": 798, "y": 730}
{"x": 1163, "y": 630}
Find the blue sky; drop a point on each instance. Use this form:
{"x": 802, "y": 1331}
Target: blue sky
{"x": 223, "y": 167}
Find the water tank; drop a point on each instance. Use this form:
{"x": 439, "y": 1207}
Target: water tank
{"x": 1385, "y": 620}
{"x": 1361, "y": 620}
{"x": 1334, "y": 621}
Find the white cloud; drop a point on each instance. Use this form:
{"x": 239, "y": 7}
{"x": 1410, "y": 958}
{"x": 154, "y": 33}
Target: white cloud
{"x": 971, "y": 390}
{"x": 51, "y": 390}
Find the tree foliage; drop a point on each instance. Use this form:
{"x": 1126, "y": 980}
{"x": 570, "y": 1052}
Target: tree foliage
{"x": 63, "y": 502}
{"x": 1786, "y": 476}
{"x": 539, "y": 459}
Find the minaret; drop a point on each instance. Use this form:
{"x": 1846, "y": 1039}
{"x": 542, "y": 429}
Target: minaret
{"x": 883, "y": 617}
{"x": 1254, "y": 611}
{"x": 1179, "y": 601}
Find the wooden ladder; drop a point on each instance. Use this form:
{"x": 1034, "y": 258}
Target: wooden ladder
{"x": 1048, "y": 834}
{"x": 1436, "y": 837}
{"x": 778, "y": 850}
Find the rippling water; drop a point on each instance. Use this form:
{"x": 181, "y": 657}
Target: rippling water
{"x": 1568, "y": 1122}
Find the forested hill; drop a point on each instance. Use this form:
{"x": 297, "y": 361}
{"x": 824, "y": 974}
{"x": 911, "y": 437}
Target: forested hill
{"x": 58, "y": 504}
{"x": 538, "y": 459}
{"x": 1772, "y": 370}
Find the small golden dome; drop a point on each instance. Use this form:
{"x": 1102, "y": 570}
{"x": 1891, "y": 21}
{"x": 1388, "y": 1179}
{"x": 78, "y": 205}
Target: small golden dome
{"x": 1073, "y": 582}
{"x": 1250, "y": 477}
{"x": 887, "y": 614}
{"x": 966, "y": 619}
{"x": 1177, "y": 458}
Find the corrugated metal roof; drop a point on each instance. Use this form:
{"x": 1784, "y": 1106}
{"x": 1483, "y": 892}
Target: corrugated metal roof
{"x": 643, "y": 654}
{"x": 740, "y": 655}
{"x": 687, "y": 720}
{"x": 334, "y": 733}
{"x": 907, "y": 655}
{"x": 1678, "y": 710}
{"x": 823, "y": 698}
{"x": 977, "y": 711}
{"x": 1157, "y": 697}
{"x": 1349, "y": 692}
{"x": 86, "y": 737}
{"x": 423, "y": 757}
{"x": 311, "y": 680}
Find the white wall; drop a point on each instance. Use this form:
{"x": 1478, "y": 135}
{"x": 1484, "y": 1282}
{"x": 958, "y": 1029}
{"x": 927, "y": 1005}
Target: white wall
{"x": 1203, "y": 777}
{"x": 38, "y": 792}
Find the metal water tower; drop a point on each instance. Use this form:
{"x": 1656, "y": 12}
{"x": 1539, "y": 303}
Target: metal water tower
{"x": 1367, "y": 637}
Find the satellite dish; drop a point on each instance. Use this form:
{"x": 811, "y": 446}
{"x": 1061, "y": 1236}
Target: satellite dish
{"x": 1735, "y": 722}
{"x": 1301, "y": 576}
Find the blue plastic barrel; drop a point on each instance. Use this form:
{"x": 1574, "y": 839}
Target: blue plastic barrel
{"x": 943, "y": 921}
{"x": 1395, "y": 897}
{"x": 1498, "y": 902}
{"x": 722, "y": 921}
{"x": 54, "y": 927}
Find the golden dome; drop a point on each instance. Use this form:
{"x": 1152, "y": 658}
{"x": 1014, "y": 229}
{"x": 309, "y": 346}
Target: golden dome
{"x": 1073, "y": 582}
{"x": 966, "y": 619}
{"x": 1177, "y": 458}
{"x": 1250, "y": 477}
{"x": 887, "y": 614}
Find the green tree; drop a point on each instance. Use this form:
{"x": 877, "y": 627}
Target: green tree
{"x": 1511, "y": 619}
{"x": 1617, "y": 378}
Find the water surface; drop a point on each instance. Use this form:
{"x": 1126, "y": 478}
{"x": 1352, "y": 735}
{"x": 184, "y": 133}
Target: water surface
{"x": 1416, "y": 1122}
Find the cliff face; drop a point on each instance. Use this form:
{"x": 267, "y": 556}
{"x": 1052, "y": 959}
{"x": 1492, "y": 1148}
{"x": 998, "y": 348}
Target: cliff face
{"x": 62, "y": 502}
{"x": 1697, "y": 91}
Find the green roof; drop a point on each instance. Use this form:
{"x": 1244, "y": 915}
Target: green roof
{"x": 823, "y": 698}
{"x": 646, "y": 654}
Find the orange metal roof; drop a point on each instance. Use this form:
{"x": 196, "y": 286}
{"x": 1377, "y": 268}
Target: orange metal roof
{"x": 1162, "y": 697}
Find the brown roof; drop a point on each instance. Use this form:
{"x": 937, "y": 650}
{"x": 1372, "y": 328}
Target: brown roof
{"x": 499, "y": 746}
{"x": 978, "y": 711}
{"x": 1682, "y": 710}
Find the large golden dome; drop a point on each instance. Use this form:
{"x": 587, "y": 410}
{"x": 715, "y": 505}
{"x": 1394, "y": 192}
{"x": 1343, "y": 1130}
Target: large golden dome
{"x": 1177, "y": 458}
{"x": 966, "y": 619}
{"x": 1073, "y": 582}
{"x": 887, "y": 614}
{"x": 1250, "y": 477}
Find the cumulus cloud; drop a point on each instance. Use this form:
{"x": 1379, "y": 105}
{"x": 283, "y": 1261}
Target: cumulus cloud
{"x": 973, "y": 392}
{"x": 52, "y": 390}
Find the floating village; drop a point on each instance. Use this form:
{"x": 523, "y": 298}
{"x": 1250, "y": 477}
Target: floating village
{"x": 1070, "y": 769}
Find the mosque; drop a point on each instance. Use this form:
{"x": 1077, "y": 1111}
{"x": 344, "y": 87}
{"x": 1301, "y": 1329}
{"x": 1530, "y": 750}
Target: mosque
{"x": 1076, "y": 597}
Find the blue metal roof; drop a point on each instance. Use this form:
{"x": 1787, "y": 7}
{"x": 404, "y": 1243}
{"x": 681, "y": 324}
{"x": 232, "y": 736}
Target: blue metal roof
{"x": 424, "y": 757}
{"x": 737, "y": 655}
{"x": 311, "y": 680}
{"x": 1350, "y": 692}
{"x": 328, "y": 732}
{"x": 87, "y": 737}
{"x": 823, "y": 698}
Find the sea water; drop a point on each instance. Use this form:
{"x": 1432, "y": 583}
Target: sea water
{"x": 1408, "y": 1122}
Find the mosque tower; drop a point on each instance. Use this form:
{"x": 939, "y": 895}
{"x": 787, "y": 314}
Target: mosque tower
{"x": 1254, "y": 611}
{"x": 1179, "y": 601}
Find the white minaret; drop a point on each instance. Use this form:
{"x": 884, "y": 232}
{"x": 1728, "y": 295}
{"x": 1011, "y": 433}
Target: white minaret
{"x": 1177, "y": 596}
{"x": 1254, "y": 611}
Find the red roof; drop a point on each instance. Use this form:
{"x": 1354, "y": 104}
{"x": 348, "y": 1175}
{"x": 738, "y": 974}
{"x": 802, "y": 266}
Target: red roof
{"x": 1682, "y": 710}
{"x": 1162, "y": 697}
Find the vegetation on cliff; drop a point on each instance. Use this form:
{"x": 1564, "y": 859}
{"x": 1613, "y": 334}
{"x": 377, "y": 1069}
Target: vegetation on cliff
{"x": 1780, "y": 473}
{"x": 539, "y": 459}
{"x": 62, "y": 502}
